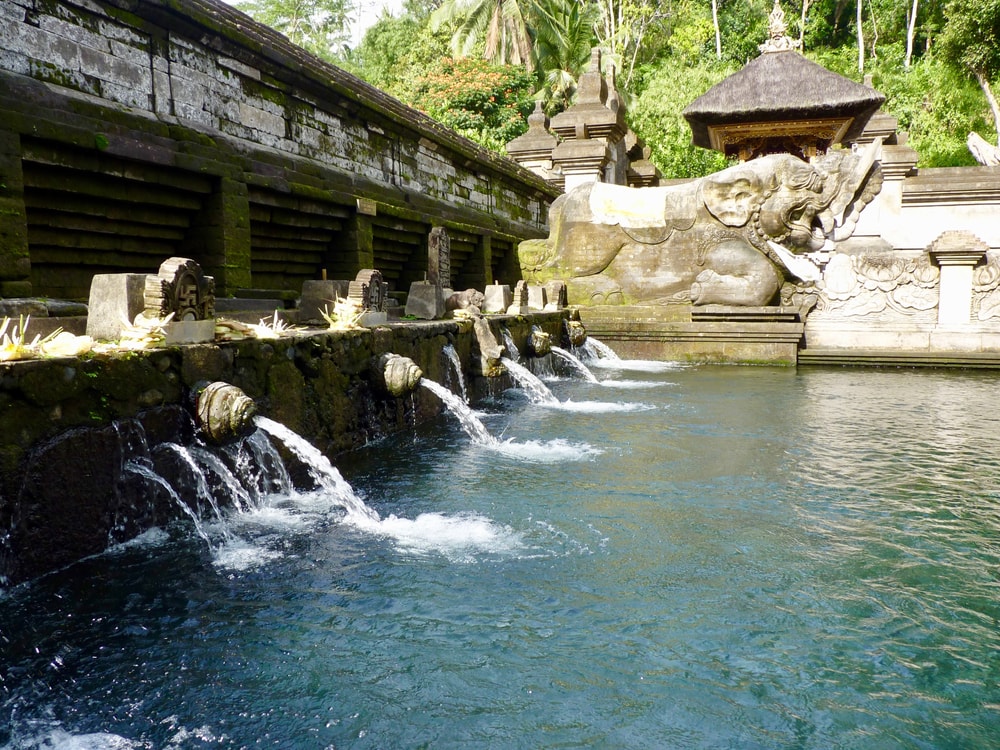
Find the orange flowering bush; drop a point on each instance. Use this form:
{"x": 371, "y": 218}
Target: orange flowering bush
{"x": 486, "y": 103}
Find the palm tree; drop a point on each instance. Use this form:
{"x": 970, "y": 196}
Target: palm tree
{"x": 500, "y": 23}
{"x": 563, "y": 40}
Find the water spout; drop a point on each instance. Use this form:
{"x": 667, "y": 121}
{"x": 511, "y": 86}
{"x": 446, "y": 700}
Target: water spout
{"x": 594, "y": 349}
{"x": 575, "y": 333}
{"x": 537, "y": 391}
{"x": 223, "y": 412}
{"x": 539, "y": 342}
{"x": 320, "y": 469}
{"x": 456, "y": 365}
{"x": 575, "y": 363}
{"x": 473, "y": 427}
{"x": 508, "y": 344}
{"x": 489, "y": 349}
{"x": 397, "y": 375}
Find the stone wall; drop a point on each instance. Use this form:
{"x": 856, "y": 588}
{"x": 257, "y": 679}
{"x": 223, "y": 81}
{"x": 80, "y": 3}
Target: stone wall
{"x": 133, "y": 131}
{"x": 66, "y": 425}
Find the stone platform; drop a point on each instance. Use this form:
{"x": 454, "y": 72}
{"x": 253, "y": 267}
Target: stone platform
{"x": 710, "y": 334}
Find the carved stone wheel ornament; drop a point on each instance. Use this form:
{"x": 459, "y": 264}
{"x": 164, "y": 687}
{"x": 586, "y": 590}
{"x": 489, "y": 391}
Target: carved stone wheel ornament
{"x": 180, "y": 288}
{"x": 369, "y": 291}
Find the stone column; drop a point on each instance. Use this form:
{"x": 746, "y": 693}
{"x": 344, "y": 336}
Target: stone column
{"x": 15, "y": 262}
{"x": 956, "y": 253}
{"x": 356, "y": 248}
{"x": 219, "y": 237}
{"x": 426, "y": 299}
{"x": 581, "y": 161}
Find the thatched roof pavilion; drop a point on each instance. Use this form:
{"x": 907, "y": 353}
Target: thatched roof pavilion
{"x": 781, "y": 102}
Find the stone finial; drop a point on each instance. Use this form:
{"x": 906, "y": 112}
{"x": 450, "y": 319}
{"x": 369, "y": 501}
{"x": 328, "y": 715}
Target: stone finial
{"x": 957, "y": 247}
{"x": 592, "y": 88}
{"x": 778, "y": 39}
{"x": 555, "y": 295}
{"x": 538, "y": 120}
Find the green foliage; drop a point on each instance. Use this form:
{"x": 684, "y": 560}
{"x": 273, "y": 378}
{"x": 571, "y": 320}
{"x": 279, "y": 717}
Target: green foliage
{"x": 971, "y": 37}
{"x": 744, "y": 27}
{"x": 563, "y": 40}
{"x": 934, "y": 103}
{"x": 937, "y": 100}
{"x": 316, "y": 25}
{"x": 656, "y": 116}
{"x": 499, "y": 26}
{"x": 693, "y": 35}
{"x": 486, "y": 103}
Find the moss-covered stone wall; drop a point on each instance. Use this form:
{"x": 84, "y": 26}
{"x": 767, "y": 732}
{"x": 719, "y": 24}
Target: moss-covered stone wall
{"x": 66, "y": 424}
{"x": 130, "y": 132}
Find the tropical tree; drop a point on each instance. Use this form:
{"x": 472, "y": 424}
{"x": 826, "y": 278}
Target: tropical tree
{"x": 499, "y": 25}
{"x": 396, "y": 53}
{"x": 320, "y": 26}
{"x": 655, "y": 115}
{"x": 971, "y": 40}
{"x": 563, "y": 40}
{"x": 624, "y": 27}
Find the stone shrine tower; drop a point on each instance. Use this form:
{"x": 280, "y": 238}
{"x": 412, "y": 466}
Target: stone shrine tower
{"x": 589, "y": 142}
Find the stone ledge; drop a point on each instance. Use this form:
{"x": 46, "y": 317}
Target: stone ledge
{"x": 884, "y": 358}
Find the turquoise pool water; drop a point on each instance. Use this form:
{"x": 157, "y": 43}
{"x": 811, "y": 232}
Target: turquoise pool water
{"x": 683, "y": 558}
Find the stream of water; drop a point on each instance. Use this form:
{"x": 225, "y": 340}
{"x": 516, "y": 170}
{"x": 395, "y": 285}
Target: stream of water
{"x": 727, "y": 558}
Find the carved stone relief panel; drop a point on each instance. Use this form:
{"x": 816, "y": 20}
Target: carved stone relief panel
{"x": 882, "y": 287}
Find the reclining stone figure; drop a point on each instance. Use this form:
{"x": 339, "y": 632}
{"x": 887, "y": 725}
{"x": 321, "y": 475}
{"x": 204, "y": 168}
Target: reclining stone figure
{"x": 730, "y": 238}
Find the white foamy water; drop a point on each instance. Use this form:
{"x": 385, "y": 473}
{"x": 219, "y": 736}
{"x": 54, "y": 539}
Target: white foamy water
{"x": 633, "y": 384}
{"x": 242, "y": 554}
{"x": 574, "y": 362}
{"x": 457, "y": 537}
{"x": 635, "y": 365}
{"x": 598, "y": 407}
{"x": 60, "y": 739}
{"x": 148, "y": 539}
{"x": 547, "y": 451}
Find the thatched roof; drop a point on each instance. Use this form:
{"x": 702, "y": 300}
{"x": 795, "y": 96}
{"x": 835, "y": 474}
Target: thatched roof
{"x": 780, "y": 87}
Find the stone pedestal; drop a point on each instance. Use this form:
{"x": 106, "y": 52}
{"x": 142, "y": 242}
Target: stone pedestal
{"x": 711, "y": 334}
{"x": 319, "y": 297}
{"x": 115, "y": 299}
{"x": 498, "y": 298}
{"x": 425, "y": 301}
{"x": 537, "y": 297}
{"x": 957, "y": 253}
{"x": 189, "y": 332}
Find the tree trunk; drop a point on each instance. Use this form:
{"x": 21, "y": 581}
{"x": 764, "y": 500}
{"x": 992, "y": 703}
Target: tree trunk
{"x": 861, "y": 41}
{"x": 802, "y": 26}
{"x": 718, "y": 34}
{"x": 911, "y": 31}
{"x": 984, "y": 84}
